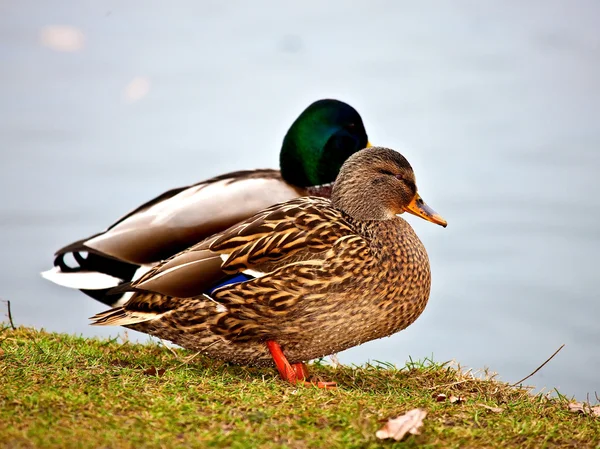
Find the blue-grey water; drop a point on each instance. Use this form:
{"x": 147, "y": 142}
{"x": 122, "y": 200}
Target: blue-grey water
{"x": 106, "y": 104}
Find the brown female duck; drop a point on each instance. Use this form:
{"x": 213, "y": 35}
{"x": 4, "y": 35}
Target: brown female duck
{"x": 304, "y": 278}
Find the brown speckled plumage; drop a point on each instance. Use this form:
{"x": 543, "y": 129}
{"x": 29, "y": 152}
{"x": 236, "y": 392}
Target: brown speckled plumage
{"x": 336, "y": 274}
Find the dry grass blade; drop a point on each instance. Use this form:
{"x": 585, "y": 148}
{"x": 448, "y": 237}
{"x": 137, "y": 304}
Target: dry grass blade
{"x": 166, "y": 345}
{"x": 492, "y": 409}
{"x": 335, "y": 362}
{"x": 539, "y": 367}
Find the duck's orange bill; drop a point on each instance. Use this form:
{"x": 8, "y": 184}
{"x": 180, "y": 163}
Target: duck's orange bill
{"x": 418, "y": 207}
{"x": 369, "y": 144}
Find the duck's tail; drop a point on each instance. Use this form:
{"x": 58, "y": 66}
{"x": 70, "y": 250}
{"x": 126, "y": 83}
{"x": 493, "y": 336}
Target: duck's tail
{"x": 93, "y": 274}
{"x": 120, "y": 317}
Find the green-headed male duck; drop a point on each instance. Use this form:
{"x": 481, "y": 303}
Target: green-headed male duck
{"x": 313, "y": 151}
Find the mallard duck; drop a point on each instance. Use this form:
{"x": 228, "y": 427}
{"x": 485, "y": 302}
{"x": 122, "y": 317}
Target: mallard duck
{"x": 299, "y": 280}
{"x": 313, "y": 150}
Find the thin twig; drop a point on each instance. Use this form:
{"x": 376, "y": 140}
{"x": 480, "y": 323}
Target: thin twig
{"x": 187, "y": 360}
{"x": 539, "y": 367}
{"x": 10, "y": 319}
{"x": 169, "y": 348}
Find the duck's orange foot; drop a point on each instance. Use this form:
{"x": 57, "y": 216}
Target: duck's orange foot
{"x": 296, "y": 373}
{"x": 301, "y": 371}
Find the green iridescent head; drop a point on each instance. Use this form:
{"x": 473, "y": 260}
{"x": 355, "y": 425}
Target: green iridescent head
{"x": 320, "y": 140}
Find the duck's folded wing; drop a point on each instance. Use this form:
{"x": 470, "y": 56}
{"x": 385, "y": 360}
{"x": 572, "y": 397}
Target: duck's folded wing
{"x": 182, "y": 217}
{"x": 255, "y": 309}
{"x": 295, "y": 230}
{"x": 298, "y": 230}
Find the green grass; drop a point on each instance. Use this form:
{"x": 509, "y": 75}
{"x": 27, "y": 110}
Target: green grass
{"x": 63, "y": 391}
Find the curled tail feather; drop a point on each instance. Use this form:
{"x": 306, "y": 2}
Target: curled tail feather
{"x": 122, "y": 317}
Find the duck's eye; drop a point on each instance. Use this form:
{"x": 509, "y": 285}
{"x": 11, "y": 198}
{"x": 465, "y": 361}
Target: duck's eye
{"x": 386, "y": 172}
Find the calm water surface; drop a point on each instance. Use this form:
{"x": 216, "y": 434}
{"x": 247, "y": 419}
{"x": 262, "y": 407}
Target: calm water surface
{"x": 497, "y": 107}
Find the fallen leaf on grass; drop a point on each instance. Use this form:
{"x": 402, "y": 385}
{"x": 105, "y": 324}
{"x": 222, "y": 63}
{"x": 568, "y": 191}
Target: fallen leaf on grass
{"x": 584, "y": 409}
{"x": 492, "y": 409}
{"x": 153, "y": 371}
{"x": 456, "y": 399}
{"x": 441, "y": 397}
{"x": 120, "y": 363}
{"x": 397, "y": 428}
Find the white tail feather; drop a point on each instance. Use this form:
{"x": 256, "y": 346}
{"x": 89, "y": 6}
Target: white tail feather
{"x": 142, "y": 270}
{"x": 81, "y": 280}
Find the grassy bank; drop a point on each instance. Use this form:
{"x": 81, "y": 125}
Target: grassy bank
{"x": 63, "y": 391}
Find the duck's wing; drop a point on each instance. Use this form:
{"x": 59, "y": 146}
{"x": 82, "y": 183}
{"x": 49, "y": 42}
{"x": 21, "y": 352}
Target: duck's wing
{"x": 182, "y": 217}
{"x": 164, "y": 226}
{"x": 298, "y": 230}
{"x": 332, "y": 254}
{"x": 290, "y": 249}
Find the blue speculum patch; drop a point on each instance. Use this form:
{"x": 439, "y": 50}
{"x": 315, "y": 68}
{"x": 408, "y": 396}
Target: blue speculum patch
{"x": 236, "y": 279}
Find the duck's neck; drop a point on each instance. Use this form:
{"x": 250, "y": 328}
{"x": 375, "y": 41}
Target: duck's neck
{"x": 301, "y": 154}
{"x": 312, "y": 155}
{"x": 393, "y": 240}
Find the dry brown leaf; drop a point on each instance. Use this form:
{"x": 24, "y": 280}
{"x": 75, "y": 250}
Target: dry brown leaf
{"x": 398, "y": 427}
{"x": 584, "y": 409}
{"x": 153, "y": 371}
{"x": 456, "y": 399}
{"x": 441, "y": 397}
{"x": 120, "y": 363}
{"x": 493, "y": 409}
